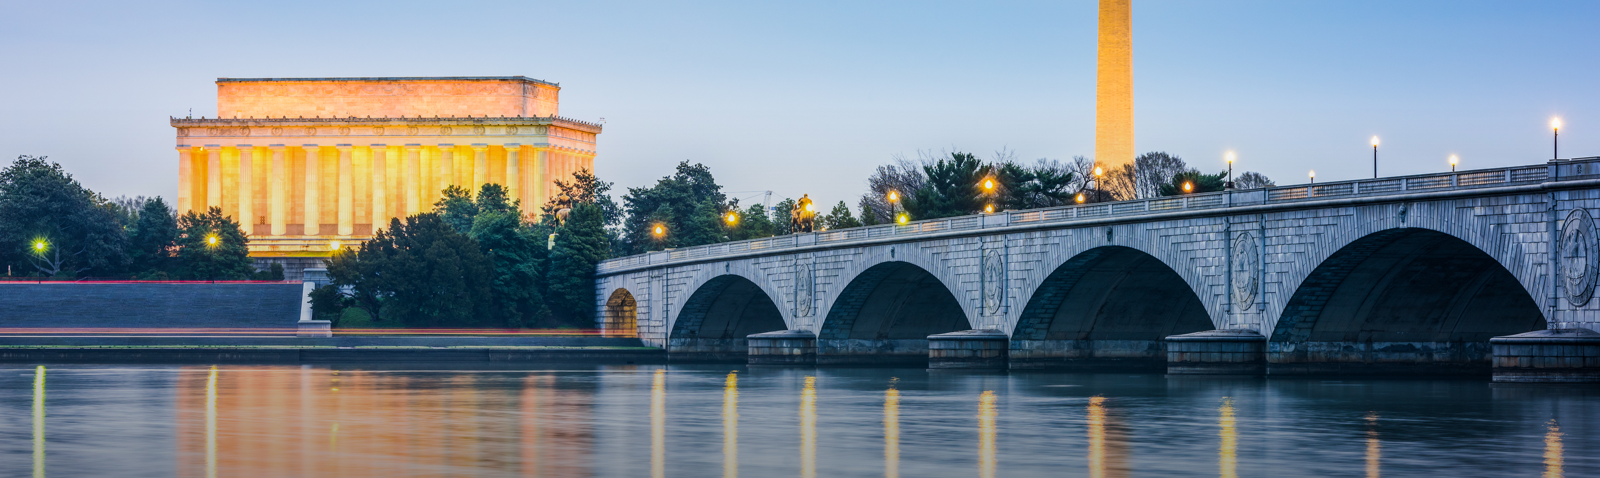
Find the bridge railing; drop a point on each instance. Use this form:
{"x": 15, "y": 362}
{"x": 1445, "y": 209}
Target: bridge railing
{"x": 1482, "y": 178}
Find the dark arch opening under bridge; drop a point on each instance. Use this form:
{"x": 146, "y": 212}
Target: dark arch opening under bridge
{"x": 886, "y": 314}
{"x": 714, "y": 321}
{"x": 1401, "y": 300}
{"x": 1108, "y": 308}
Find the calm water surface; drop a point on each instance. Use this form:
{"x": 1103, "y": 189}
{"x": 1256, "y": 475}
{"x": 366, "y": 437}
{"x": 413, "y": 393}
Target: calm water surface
{"x": 693, "y": 421}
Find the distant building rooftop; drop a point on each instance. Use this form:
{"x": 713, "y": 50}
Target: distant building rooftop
{"x": 395, "y": 78}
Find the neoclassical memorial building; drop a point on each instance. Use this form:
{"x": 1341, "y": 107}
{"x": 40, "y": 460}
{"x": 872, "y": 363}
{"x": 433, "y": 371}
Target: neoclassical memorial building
{"x": 308, "y": 164}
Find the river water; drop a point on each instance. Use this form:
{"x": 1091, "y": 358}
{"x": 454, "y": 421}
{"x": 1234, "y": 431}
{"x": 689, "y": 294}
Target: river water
{"x": 707, "y": 421}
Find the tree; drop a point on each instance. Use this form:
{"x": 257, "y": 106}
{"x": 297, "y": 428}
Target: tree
{"x": 211, "y": 246}
{"x": 1154, "y": 170}
{"x": 585, "y": 187}
{"x": 1200, "y": 182}
{"x": 358, "y": 269}
{"x": 50, "y": 222}
{"x": 327, "y": 303}
{"x": 839, "y": 218}
{"x": 780, "y": 217}
{"x": 904, "y": 177}
{"x": 153, "y": 242}
{"x": 753, "y": 224}
{"x": 951, "y": 188}
{"x": 1253, "y": 180}
{"x": 580, "y": 246}
{"x": 434, "y": 275}
{"x": 517, "y": 258}
{"x": 456, "y": 207}
{"x": 682, "y": 203}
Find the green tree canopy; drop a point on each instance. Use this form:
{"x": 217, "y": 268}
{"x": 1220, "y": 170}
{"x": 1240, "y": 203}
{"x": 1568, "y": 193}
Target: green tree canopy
{"x": 580, "y": 246}
{"x": 41, "y": 204}
{"x": 684, "y": 203}
{"x": 435, "y": 275}
{"x": 839, "y": 218}
{"x": 153, "y": 241}
{"x": 951, "y": 188}
{"x": 211, "y": 246}
{"x": 1203, "y": 183}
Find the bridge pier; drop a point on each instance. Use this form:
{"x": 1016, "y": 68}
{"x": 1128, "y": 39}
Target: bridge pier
{"x": 969, "y": 349}
{"x": 1555, "y": 355}
{"x": 887, "y": 352}
{"x": 687, "y": 350}
{"x": 783, "y": 347}
{"x": 1217, "y": 352}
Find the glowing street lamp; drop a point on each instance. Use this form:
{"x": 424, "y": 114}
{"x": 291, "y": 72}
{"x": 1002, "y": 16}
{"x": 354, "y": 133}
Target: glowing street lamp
{"x": 988, "y": 209}
{"x": 335, "y": 245}
{"x": 1313, "y": 176}
{"x": 733, "y": 218}
{"x": 1080, "y": 198}
{"x": 659, "y": 231}
{"x": 1453, "y": 161}
{"x": 1374, "y": 157}
{"x": 1230, "y": 170}
{"x": 1188, "y": 187}
{"x": 894, "y": 202}
{"x": 1555, "y": 144}
{"x": 902, "y": 219}
{"x": 211, "y": 240}
{"x": 39, "y": 246}
{"x": 988, "y": 185}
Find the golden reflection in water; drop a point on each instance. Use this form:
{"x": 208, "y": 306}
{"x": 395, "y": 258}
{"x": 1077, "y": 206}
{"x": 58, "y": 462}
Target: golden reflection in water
{"x": 1552, "y": 450}
{"x": 808, "y": 429}
{"x": 658, "y": 425}
{"x": 986, "y": 416}
{"x": 730, "y": 426}
{"x": 211, "y": 423}
{"x": 38, "y": 422}
{"x": 1097, "y": 437}
{"x": 1374, "y": 448}
{"x": 1227, "y": 462}
{"x": 891, "y": 433}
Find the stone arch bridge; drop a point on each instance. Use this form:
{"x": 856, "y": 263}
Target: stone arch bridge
{"x": 1402, "y": 274}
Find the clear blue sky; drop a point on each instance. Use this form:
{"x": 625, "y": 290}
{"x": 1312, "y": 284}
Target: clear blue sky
{"x": 808, "y": 97}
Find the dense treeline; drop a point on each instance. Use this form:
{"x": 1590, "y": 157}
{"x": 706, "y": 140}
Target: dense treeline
{"x": 477, "y": 261}
{"x": 53, "y": 227}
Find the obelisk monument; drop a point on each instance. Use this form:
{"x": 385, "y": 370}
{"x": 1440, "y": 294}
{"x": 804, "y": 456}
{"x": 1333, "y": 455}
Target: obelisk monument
{"x": 1113, "y": 108}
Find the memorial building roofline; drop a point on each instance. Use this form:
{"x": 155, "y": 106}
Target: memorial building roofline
{"x": 393, "y": 78}
{"x": 565, "y": 122}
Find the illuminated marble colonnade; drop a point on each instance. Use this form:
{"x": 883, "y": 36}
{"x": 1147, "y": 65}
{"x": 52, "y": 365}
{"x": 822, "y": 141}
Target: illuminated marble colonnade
{"x": 298, "y": 184}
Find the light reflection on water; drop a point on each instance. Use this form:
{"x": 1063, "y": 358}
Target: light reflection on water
{"x": 637, "y": 420}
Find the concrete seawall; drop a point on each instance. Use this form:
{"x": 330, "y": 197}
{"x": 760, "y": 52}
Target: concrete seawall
{"x": 182, "y": 305}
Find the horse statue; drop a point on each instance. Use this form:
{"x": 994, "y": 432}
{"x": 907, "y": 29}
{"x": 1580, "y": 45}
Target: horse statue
{"x": 803, "y": 217}
{"x": 563, "y": 209}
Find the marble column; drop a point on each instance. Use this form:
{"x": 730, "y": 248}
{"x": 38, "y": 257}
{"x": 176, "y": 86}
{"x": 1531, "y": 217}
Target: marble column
{"x": 514, "y": 173}
{"x": 247, "y": 190}
{"x": 313, "y": 158}
{"x": 347, "y": 197}
{"x": 541, "y": 177}
{"x": 447, "y": 167}
{"x": 278, "y": 190}
{"x": 185, "y": 179}
{"x": 380, "y": 193}
{"x": 480, "y": 167}
{"x": 413, "y": 175}
{"x": 213, "y": 177}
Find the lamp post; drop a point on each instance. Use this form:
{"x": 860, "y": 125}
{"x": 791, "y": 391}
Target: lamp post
{"x": 1453, "y": 161}
{"x": 39, "y": 246}
{"x": 894, "y": 202}
{"x": 732, "y": 218}
{"x": 1313, "y": 176}
{"x": 211, "y": 240}
{"x": 1555, "y": 143}
{"x": 1230, "y": 171}
{"x": 1188, "y": 187}
{"x": 1374, "y": 157}
{"x": 1099, "y": 175}
{"x": 988, "y": 186}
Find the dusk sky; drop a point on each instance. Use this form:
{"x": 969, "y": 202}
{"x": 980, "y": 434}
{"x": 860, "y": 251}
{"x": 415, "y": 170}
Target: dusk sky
{"x": 810, "y": 97}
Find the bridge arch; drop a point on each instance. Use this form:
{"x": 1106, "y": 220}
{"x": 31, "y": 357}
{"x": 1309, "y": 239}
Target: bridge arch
{"x": 1423, "y": 294}
{"x": 620, "y": 316}
{"x": 885, "y": 313}
{"x": 714, "y": 320}
{"x": 1106, "y": 307}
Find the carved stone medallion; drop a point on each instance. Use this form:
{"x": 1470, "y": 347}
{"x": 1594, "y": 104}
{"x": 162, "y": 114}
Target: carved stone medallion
{"x": 511, "y": 130}
{"x": 183, "y": 131}
{"x": 244, "y": 131}
{"x": 445, "y": 131}
{"x": 311, "y": 131}
{"x": 377, "y": 131}
{"x": 277, "y": 131}
{"x": 344, "y": 130}
{"x": 994, "y": 279}
{"x": 1578, "y": 257}
{"x": 1245, "y": 258}
{"x": 213, "y": 131}
{"x": 477, "y": 130}
{"x": 804, "y": 284}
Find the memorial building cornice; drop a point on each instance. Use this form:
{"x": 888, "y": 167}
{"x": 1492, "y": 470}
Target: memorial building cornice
{"x": 558, "y": 121}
